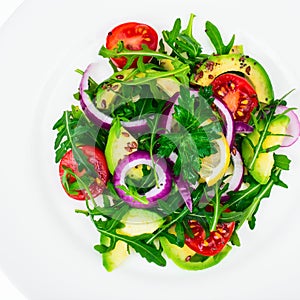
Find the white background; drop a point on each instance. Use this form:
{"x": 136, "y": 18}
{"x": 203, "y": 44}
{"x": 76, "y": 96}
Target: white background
{"x": 7, "y": 290}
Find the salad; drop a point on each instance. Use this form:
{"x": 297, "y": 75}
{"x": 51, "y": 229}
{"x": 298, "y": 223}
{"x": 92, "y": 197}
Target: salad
{"x": 173, "y": 153}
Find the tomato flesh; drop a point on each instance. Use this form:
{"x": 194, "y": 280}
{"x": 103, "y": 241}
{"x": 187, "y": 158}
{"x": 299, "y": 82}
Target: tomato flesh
{"x": 133, "y": 35}
{"x": 214, "y": 243}
{"x": 238, "y": 94}
{"x": 97, "y": 159}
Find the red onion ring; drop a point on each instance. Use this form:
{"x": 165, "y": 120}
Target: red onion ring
{"x": 236, "y": 179}
{"x": 95, "y": 115}
{"x": 228, "y": 119}
{"x": 242, "y": 127}
{"x": 293, "y": 129}
{"x": 183, "y": 186}
{"x": 143, "y": 158}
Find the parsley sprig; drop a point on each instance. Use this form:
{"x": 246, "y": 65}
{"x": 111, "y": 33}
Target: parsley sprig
{"x": 193, "y": 140}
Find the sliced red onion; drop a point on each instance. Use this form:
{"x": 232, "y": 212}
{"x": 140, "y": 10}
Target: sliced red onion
{"x": 242, "y": 127}
{"x": 183, "y": 186}
{"x": 143, "y": 158}
{"x": 95, "y": 115}
{"x": 293, "y": 129}
{"x": 236, "y": 178}
{"x": 228, "y": 119}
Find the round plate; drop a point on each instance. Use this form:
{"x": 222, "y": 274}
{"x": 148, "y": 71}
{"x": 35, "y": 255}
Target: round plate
{"x": 47, "y": 249}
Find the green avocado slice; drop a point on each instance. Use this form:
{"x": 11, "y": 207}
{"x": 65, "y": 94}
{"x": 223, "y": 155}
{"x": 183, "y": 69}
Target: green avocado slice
{"x": 183, "y": 257}
{"x": 253, "y": 71}
{"x": 114, "y": 258}
{"x": 119, "y": 143}
{"x": 263, "y": 164}
{"x": 137, "y": 222}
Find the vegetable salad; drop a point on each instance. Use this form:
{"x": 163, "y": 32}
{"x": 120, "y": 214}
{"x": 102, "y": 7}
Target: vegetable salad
{"x": 174, "y": 152}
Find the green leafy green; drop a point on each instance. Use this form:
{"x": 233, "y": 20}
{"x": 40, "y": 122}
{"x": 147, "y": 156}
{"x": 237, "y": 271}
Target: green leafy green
{"x": 67, "y": 126}
{"x": 192, "y": 141}
{"x": 183, "y": 44}
{"x": 282, "y": 162}
{"x": 131, "y": 191}
{"x": 215, "y": 37}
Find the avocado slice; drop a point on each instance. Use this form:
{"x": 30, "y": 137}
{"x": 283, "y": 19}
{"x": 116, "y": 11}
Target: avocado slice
{"x": 114, "y": 258}
{"x": 262, "y": 167}
{"x": 253, "y": 71}
{"x": 137, "y": 222}
{"x": 119, "y": 143}
{"x": 169, "y": 85}
{"x": 105, "y": 97}
{"x": 183, "y": 257}
{"x": 166, "y": 64}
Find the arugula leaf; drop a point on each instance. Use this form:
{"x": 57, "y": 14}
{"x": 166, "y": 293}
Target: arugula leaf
{"x": 264, "y": 192}
{"x": 183, "y": 43}
{"x": 131, "y": 191}
{"x": 116, "y": 218}
{"x": 73, "y": 129}
{"x": 282, "y": 162}
{"x": 138, "y": 243}
{"x": 66, "y": 126}
{"x": 179, "y": 229}
{"x": 170, "y": 237}
{"x": 179, "y": 215}
{"x": 240, "y": 200}
{"x": 132, "y": 54}
{"x": 235, "y": 239}
{"x": 215, "y": 37}
{"x": 74, "y": 187}
{"x": 173, "y": 34}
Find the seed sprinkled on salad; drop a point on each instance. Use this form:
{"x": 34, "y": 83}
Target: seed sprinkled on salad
{"x": 173, "y": 153}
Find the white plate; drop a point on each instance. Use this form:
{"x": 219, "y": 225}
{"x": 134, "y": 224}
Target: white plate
{"x": 47, "y": 250}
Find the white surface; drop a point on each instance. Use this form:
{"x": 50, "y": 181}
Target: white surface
{"x": 7, "y": 290}
{"x": 47, "y": 250}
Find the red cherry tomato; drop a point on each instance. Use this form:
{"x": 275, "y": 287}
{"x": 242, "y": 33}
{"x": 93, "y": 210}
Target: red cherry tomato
{"x": 97, "y": 159}
{"x": 133, "y": 35}
{"x": 214, "y": 243}
{"x": 238, "y": 94}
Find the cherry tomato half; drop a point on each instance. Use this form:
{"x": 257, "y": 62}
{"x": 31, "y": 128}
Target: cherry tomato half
{"x": 214, "y": 243}
{"x": 238, "y": 94}
{"x": 133, "y": 35}
{"x": 97, "y": 159}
